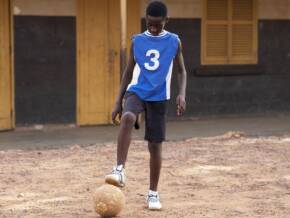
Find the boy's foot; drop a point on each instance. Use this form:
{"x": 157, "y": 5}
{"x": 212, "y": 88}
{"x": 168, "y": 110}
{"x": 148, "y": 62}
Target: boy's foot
{"x": 116, "y": 177}
{"x": 153, "y": 201}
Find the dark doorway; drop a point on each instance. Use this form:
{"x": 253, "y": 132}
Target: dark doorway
{"x": 45, "y": 69}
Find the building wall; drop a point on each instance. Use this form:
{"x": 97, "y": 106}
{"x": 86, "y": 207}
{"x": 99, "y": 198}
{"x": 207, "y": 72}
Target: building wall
{"x": 271, "y": 9}
{"x": 248, "y": 90}
{"x": 261, "y": 88}
{"x": 179, "y": 9}
{"x": 267, "y": 9}
{"x": 245, "y": 93}
{"x": 45, "y": 7}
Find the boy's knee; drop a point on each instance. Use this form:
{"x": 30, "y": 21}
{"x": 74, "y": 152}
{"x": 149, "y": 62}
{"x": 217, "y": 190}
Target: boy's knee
{"x": 128, "y": 119}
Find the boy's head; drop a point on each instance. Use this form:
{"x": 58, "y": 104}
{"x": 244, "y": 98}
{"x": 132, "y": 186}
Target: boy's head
{"x": 156, "y": 17}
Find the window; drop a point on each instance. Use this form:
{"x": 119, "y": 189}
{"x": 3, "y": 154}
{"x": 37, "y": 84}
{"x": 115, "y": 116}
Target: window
{"x": 229, "y": 32}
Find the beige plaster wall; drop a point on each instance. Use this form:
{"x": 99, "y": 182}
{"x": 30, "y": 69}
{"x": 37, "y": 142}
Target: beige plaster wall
{"x": 45, "y": 7}
{"x": 179, "y": 8}
{"x": 267, "y": 9}
{"x": 274, "y": 9}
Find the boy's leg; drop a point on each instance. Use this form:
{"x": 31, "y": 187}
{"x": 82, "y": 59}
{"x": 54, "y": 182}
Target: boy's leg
{"x": 133, "y": 106}
{"x": 117, "y": 176}
{"x": 124, "y": 138}
{"x": 155, "y": 150}
{"x": 155, "y": 116}
{"x": 153, "y": 200}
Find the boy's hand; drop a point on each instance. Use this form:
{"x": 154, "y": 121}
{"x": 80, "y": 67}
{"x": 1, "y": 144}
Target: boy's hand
{"x": 117, "y": 111}
{"x": 181, "y": 104}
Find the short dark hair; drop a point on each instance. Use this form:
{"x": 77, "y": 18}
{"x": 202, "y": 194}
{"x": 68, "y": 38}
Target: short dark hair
{"x": 156, "y": 9}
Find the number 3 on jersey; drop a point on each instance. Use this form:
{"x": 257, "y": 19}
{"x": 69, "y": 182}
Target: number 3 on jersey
{"x": 154, "y": 62}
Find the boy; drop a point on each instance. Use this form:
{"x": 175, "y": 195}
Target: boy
{"x": 145, "y": 86}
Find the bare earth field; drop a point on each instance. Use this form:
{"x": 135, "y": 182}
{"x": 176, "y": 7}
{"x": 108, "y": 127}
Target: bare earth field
{"x": 226, "y": 176}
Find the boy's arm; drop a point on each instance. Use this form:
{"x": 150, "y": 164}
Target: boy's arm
{"x": 126, "y": 79}
{"x": 180, "y": 100}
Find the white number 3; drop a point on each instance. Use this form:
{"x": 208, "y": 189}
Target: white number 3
{"x": 154, "y": 59}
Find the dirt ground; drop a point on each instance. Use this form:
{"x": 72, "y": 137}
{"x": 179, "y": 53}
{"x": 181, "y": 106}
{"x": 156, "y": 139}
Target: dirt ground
{"x": 226, "y": 176}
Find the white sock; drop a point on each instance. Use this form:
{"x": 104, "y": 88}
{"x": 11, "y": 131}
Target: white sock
{"x": 120, "y": 167}
{"x": 152, "y": 193}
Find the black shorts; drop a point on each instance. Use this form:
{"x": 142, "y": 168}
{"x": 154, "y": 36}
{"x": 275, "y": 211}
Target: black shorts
{"x": 155, "y": 115}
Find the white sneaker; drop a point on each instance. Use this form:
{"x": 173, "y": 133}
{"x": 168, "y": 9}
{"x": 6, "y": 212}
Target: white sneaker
{"x": 153, "y": 201}
{"x": 117, "y": 176}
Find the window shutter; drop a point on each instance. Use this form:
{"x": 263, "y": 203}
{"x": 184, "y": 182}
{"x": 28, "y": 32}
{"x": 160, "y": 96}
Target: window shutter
{"x": 217, "y": 10}
{"x": 243, "y": 32}
{"x": 215, "y": 30}
{"x": 242, "y": 10}
{"x": 229, "y": 32}
{"x": 217, "y": 36}
{"x": 242, "y": 40}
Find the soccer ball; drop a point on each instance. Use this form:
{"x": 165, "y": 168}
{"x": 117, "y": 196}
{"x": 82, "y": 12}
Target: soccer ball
{"x": 109, "y": 200}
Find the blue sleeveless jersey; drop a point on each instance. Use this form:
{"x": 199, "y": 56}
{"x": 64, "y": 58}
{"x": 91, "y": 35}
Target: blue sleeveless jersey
{"x": 154, "y": 57}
